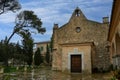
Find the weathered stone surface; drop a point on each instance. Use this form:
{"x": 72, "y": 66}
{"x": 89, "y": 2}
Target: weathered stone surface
{"x": 84, "y": 51}
{"x": 90, "y": 32}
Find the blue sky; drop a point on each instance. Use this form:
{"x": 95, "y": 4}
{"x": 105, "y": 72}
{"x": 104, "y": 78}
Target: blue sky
{"x": 54, "y": 11}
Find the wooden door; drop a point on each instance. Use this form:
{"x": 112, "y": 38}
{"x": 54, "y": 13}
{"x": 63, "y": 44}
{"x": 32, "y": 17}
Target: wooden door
{"x": 76, "y": 63}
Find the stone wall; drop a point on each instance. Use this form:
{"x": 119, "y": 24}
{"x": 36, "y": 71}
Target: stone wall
{"x": 90, "y": 31}
{"x": 42, "y": 46}
{"x": 83, "y": 50}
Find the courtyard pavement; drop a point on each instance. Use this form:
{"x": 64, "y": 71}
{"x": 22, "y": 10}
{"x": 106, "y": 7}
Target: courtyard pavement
{"x": 48, "y": 74}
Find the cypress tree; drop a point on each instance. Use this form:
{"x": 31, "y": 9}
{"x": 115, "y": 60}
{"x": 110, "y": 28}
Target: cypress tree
{"x": 47, "y": 54}
{"x": 38, "y": 58}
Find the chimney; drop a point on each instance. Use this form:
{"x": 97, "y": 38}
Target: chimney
{"x": 105, "y": 20}
{"x": 55, "y": 26}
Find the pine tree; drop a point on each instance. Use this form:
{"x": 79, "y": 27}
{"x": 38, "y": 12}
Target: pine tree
{"x": 9, "y": 5}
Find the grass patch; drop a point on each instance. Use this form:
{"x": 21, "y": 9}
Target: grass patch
{"x": 9, "y": 69}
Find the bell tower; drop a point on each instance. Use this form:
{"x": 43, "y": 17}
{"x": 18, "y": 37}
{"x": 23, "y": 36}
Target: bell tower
{"x": 77, "y": 14}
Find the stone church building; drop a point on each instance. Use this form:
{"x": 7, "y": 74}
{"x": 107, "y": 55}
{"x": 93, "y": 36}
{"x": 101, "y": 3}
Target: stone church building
{"x": 80, "y": 45}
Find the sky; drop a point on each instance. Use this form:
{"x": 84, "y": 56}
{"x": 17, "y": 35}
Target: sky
{"x": 54, "y": 12}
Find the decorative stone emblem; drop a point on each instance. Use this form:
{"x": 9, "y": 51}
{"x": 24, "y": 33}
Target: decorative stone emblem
{"x": 75, "y": 50}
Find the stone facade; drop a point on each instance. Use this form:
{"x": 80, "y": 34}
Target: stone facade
{"x": 76, "y": 49}
{"x": 42, "y": 46}
{"x": 114, "y": 35}
{"x": 88, "y": 37}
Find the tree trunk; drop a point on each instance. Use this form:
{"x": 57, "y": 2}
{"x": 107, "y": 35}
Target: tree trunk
{"x": 10, "y": 37}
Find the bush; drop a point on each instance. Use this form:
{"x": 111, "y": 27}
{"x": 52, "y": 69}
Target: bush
{"x": 113, "y": 78}
{"x": 1, "y": 67}
{"x": 116, "y": 74}
{"x": 9, "y": 69}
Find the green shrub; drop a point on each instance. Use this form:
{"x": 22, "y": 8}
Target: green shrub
{"x": 113, "y": 78}
{"x": 117, "y": 74}
{"x": 9, "y": 69}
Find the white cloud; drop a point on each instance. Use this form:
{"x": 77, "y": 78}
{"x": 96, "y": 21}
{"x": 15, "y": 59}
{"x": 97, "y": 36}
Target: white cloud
{"x": 49, "y": 8}
{"x": 7, "y": 18}
{"x": 60, "y": 11}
